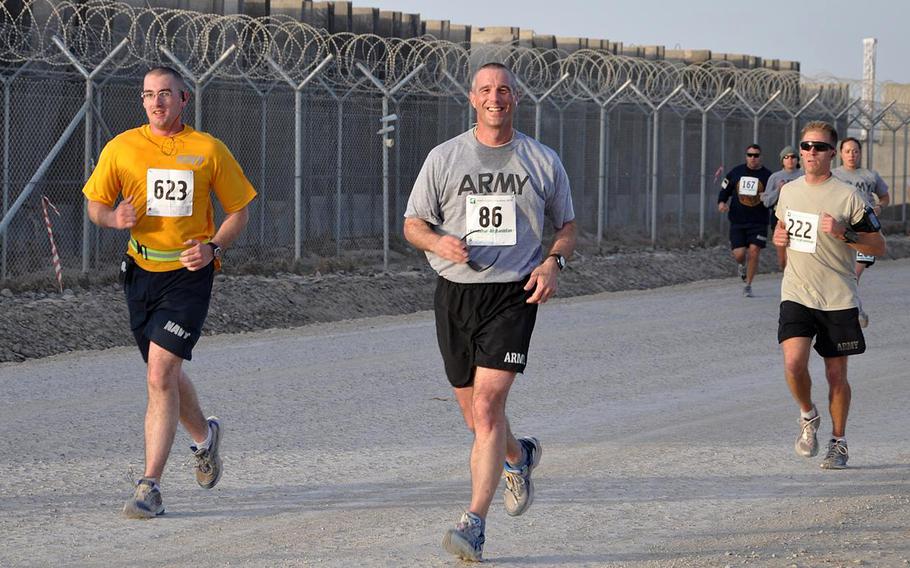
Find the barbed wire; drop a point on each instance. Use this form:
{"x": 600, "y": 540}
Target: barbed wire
{"x": 91, "y": 30}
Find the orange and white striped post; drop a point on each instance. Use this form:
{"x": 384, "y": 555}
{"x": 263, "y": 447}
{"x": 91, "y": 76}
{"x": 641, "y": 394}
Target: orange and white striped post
{"x": 58, "y": 270}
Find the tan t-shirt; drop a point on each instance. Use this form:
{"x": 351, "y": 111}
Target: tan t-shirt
{"x": 820, "y": 268}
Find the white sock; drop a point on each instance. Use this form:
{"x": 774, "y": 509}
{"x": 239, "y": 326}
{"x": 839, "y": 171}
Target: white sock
{"x": 841, "y": 439}
{"x": 809, "y": 415}
{"x": 208, "y": 440}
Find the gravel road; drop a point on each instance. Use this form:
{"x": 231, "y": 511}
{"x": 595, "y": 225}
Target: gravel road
{"x": 666, "y": 425}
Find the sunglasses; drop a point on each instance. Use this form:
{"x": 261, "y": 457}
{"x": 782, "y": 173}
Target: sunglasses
{"x": 791, "y": 157}
{"x": 473, "y": 264}
{"x": 751, "y": 155}
{"x": 810, "y": 145}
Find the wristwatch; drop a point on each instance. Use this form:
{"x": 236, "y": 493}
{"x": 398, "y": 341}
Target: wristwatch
{"x": 850, "y": 236}
{"x": 560, "y": 260}
{"x": 216, "y": 250}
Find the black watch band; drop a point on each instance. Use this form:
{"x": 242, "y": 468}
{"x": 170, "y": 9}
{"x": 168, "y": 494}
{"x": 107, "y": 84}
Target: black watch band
{"x": 560, "y": 260}
{"x": 850, "y": 236}
{"x": 216, "y": 250}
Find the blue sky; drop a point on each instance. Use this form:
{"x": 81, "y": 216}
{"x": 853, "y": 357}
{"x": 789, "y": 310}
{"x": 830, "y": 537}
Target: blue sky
{"x": 825, "y": 36}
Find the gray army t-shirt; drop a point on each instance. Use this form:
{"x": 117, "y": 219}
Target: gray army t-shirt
{"x": 866, "y": 181}
{"x": 462, "y": 169}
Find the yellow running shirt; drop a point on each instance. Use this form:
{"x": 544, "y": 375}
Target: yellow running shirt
{"x": 168, "y": 180}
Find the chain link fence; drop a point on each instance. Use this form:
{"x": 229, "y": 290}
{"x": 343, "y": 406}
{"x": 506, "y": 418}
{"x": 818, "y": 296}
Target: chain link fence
{"x": 645, "y": 143}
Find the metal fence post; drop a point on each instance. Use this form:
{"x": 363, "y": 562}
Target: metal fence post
{"x": 702, "y": 191}
{"x": 655, "y": 150}
{"x": 89, "y": 128}
{"x": 298, "y": 145}
{"x": 539, "y": 100}
{"x": 7, "y": 86}
{"x": 904, "y": 186}
{"x": 200, "y": 82}
{"x": 42, "y": 169}
{"x": 388, "y": 93}
{"x": 603, "y": 158}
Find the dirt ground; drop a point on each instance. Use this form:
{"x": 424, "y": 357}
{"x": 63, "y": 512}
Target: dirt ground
{"x": 666, "y": 425}
{"x": 40, "y": 323}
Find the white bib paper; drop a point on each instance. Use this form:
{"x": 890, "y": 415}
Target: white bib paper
{"x": 490, "y": 220}
{"x": 748, "y": 186}
{"x": 803, "y": 230}
{"x": 169, "y": 193}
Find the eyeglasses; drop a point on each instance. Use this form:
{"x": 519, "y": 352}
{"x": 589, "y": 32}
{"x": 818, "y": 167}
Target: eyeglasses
{"x": 165, "y": 94}
{"x": 473, "y": 264}
{"x": 752, "y": 155}
{"x": 810, "y": 145}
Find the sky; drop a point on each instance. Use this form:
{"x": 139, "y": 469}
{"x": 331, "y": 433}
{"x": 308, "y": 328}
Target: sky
{"x": 825, "y": 36}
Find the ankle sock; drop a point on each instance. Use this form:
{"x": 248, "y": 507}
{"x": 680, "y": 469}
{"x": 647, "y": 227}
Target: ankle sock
{"x": 208, "y": 440}
{"x": 524, "y": 458}
{"x": 809, "y": 415}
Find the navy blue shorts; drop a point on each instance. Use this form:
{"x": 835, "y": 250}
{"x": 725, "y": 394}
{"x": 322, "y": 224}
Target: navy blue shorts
{"x": 168, "y": 308}
{"x": 744, "y": 235}
{"x": 837, "y": 333}
{"x": 485, "y": 325}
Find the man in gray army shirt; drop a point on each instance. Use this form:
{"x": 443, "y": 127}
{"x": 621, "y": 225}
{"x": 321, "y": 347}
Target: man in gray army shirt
{"x": 477, "y": 209}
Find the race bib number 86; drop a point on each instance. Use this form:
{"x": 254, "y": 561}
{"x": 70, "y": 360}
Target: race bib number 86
{"x": 803, "y": 230}
{"x": 169, "y": 193}
{"x": 490, "y": 220}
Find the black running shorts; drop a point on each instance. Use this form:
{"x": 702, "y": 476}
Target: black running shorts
{"x": 168, "y": 308}
{"x": 748, "y": 234}
{"x": 485, "y": 325}
{"x": 837, "y": 333}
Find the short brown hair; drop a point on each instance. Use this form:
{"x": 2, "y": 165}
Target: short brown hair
{"x": 169, "y": 72}
{"x": 851, "y": 139}
{"x": 824, "y": 127}
{"x": 494, "y": 65}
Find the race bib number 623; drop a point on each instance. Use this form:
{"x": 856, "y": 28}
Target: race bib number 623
{"x": 169, "y": 193}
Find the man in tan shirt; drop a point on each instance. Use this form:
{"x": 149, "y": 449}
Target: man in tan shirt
{"x": 823, "y": 222}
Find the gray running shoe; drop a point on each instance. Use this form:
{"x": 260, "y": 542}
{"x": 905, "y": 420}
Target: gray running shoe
{"x": 863, "y": 319}
{"x": 837, "y": 455}
{"x": 146, "y": 501}
{"x": 466, "y": 540}
{"x": 807, "y": 442}
{"x": 747, "y": 291}
{"x": 741, "y": 270}
{"x": 519, "y": 493}
{"x": 208, "y": 461}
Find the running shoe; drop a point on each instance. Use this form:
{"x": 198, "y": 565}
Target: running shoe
{"x": 466, "y": 540}
{"x": 146, "y": 502}
{"x": 741, "y": 270}
{"x": 519, "y": 493}
{"x": 208, "y": 460}
{"x": 807, "y": 442}
{"x": 837, "y": 455}
{"x": 747, "y": 291}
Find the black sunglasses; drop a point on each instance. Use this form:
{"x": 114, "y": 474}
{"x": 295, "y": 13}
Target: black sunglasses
{"x": 753, "y": 155}
{"x": 473, "y": 264}
{"x": 810, "y": 145}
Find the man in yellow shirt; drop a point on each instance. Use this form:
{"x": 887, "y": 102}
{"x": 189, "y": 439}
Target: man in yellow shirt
{"x": 165, "y": 171}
